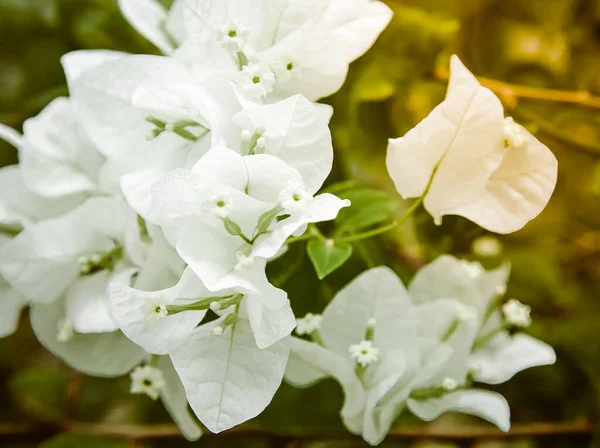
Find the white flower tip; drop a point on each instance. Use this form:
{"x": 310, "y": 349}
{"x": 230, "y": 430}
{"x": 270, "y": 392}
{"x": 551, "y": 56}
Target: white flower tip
{"x": 169, "y": 127}
{"x": 330, "y": 243}
{"x": 516, "y": 314}
{"x": 513, "y": 134}
{"x": 437, "y": 220}
{"x": 215, "y": 306}
{"x": 449, "y": 384}
{"x": 371, "y": 323}
{"x": 364, "y": 353}
{"x": 96, "y": 258}
{"x": 218, "y": 331}
{"x": 147, "y": 380}
{"x": 474, "y": 369}
{"x": 308, "y": 324}
{"x": 261, "y": 143}
{"x": 501, "y": 290}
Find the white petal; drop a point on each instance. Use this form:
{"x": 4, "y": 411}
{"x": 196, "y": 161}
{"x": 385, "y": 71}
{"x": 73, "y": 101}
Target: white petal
{"x": 268, "y": 175}
{"x": 324, "y": 207}
{"x": 11, "y": 136}
{"x": 297, "y": 132}
{"x": 19, "y": 205}
{"x": 448, "y": 277}
{"x": 87, "y": 304}
{"x": 517, "y": 191}
{"x": 127, "y": 305}
{"x": 11, "y": 305}
{"x": 460, "y": 143}
{"x": 377, "y": 293}
{"x": 106, "y": 107}
{"x": 149, "y": 18}
{"x": 490, "y": 406}
{"x": 506, "y": 356}
{"x": 104, "y": 354}
{"x": 78, "y": 62}
{"x": 212, "y": 255}
{"x": 57, "y": 159}
{"x": 270, "y": 315}
{"x": 331, "y": 364}
{"x": 227, "y": 378}
{"x": 222, "y": 166}
{"x": 42, "y": 261}
{"x": 175, "y": 401}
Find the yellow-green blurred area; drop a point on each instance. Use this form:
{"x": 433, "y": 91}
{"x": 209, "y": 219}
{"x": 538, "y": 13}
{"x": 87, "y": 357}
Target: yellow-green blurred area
{"x": 552, "y": 45}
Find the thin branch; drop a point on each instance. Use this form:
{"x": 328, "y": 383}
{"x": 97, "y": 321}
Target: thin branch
{"x": 145, "y": 432}
{"x": 512, "y": 92}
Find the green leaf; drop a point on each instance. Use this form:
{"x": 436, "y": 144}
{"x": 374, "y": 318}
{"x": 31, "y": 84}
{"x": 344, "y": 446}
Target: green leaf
{"x": 232, "y": 228}
{"x": 369, "y": 207}
{"x": 75, "y": 441}
{"x": 267, "y": 218}
{"x": 41, "y": 393}
{"x": 327, "y": 258}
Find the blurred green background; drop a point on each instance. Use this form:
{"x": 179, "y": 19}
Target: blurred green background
{"x": 549, "y": 44}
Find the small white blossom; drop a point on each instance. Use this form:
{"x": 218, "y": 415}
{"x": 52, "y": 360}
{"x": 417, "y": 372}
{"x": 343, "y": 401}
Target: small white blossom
{"x": 233, "y": 36}
{"x": 294, "y": 198}
{"x": 256, "y": 80}
{"x": 308, "y": 324}
{"x": 65, "y": 330}
{"x": 501, "y": 290}
{"x": 517, "y": 314}
{"x": 286, "y": 70}
{"x": 220, "y": 205}
{"x": 245, "y": 135}
{"x": 449, "y": 384}
{"x": 487, "y": 246}
{"x": 218, "y": 331}
{"x": 154, "y": 311}
{"x": 364, "y": 353}
{"x": 513, "y": 135}
{"x": 474, "y": 369}
{"x": 244, "y": 262}
{"x": 147, "y": 380}
{"x": 215, "y": 306}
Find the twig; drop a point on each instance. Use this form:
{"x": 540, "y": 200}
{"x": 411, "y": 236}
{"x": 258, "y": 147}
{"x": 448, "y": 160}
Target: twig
{"x": 145, "y": 432}
{"x": 511, "y": 92}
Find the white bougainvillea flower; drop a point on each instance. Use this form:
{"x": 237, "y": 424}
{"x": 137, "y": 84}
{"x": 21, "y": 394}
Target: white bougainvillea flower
{"x": 483, "y": 350}
{"x": 322, "y": 37}
{"x": 11, "y": 303}
{"x": 44, "y": 260}
{"x": 56, "y": 158}
{"x": 227, "y": 378}
{"x": 143, "y": 315}
{"x": 295, "y": 131}
{"x": 161, "y": 27}
{"x": 368, "y": 334}
{"x": 255, "y": 185}
{"x": 466, "y": 159}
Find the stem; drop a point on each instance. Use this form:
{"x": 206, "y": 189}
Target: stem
{"x": 486, "y": 338}
{"x": 384, "y": 229}
{"x": 514, "y": 91}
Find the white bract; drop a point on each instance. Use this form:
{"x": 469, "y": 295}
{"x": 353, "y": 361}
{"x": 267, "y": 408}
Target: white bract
{"x": 466, "y": 159}
{"x": 306, "y": 45}
{"x": 452, "y": 320}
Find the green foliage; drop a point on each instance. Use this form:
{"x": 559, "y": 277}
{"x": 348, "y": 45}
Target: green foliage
{"x": 369, "y": 207}
{"x": 328, "y": 255}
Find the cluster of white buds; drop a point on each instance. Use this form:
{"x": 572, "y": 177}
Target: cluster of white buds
{"x": 308, "y": 324}
{"x": 516, "y": 314}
